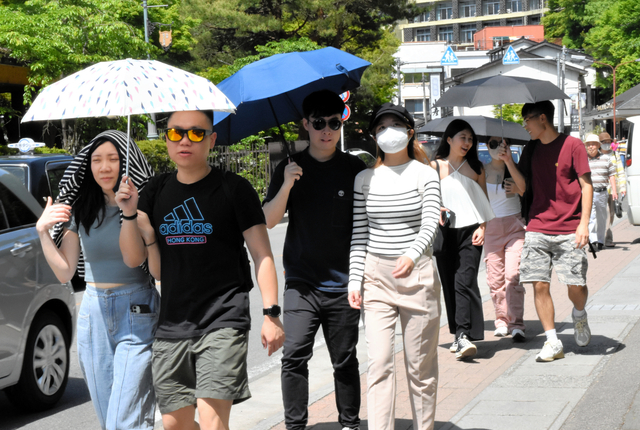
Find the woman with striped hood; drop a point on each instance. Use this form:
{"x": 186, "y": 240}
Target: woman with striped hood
{"x": 119, "y": 310}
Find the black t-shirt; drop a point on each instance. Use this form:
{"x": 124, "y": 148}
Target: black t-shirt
{"x": 320, "y": 207}
{"x": 199, "y": 229}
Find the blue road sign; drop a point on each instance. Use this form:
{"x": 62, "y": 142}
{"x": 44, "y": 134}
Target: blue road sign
{"x": 510, "y": 57}
{"x": 449, "y": 58}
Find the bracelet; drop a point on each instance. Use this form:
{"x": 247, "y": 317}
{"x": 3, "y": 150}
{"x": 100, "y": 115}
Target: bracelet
{"x": 152, "y": 243}
{"x": 130, "y": 218}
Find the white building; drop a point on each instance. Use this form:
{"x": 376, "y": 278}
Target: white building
{"x": 544, "y": 61}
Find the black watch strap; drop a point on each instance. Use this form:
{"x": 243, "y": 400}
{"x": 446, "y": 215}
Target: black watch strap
{"x": 272, "y": 311}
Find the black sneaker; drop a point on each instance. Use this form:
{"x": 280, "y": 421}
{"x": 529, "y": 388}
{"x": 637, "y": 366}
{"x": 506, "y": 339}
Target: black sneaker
{"x": 465, "y": 349}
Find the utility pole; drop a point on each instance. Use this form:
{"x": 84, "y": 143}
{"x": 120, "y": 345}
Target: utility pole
{"x": 424, "y": 98}
{"x": 400, "y": 63}
{"x": 152, "y": 131}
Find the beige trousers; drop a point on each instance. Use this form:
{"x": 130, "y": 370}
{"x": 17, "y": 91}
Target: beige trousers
{"x": 416, "y": 300}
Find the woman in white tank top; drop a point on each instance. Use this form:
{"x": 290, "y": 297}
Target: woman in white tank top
{"x": 462, "y": 182}
{"x": 504, "y": 238}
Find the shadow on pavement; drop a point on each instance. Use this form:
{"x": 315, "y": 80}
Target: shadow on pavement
{"x": 600, "y": 345}
{"x": 400, "y": 424}
{"x": 76, "y": 393}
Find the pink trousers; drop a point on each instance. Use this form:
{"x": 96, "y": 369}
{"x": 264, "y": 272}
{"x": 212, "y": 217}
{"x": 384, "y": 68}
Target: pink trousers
{"x": 503, "y": 241}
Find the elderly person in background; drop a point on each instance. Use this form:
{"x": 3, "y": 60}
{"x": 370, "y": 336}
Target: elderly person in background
{"x": 603, "y": 172}
{"x": 607, "y": 148}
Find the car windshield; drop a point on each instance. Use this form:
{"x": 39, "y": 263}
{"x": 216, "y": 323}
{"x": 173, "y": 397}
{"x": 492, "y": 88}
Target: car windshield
{"x": 20, "y": 171}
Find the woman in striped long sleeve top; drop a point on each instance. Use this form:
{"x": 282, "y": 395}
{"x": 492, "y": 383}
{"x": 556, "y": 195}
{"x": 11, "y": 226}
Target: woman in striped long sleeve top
{"x": 391, "y": 273}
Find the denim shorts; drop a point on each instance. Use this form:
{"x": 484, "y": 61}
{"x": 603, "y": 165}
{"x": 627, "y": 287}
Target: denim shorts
{"x": 542, "y": 252}
{"x": 211, "y": 366}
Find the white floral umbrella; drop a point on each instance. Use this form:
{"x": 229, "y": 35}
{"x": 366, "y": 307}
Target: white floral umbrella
{"x": 126, "y": 87}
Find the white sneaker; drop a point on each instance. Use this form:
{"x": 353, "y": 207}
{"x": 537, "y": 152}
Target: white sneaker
{"x": 454, "y": 346}
{"x": 465, "y": 349}
{"x": 581, "y": 331}
{"x": 551, "y": 351}
{"x": 501, "y": 332}
{"x": 518, "y": 335}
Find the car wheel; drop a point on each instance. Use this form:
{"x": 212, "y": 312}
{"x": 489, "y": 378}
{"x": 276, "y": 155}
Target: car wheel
{"x": 45, "y": 369}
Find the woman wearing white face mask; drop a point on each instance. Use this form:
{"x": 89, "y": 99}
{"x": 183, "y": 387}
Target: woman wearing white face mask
{"x": 396, "y": 211}
{"x": 503, "y": 241}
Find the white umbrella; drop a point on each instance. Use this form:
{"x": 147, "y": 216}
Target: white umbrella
{"x": 126, "y": 87}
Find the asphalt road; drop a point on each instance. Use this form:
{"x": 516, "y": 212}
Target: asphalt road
{"x": 75, "y": 411}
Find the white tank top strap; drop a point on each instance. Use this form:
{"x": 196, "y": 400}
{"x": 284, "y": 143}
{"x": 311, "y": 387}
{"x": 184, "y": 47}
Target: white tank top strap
{"x": 459, "y": 167}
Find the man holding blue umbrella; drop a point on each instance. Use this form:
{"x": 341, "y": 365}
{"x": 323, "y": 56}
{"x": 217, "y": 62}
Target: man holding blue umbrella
{"x": 316, "y": 188}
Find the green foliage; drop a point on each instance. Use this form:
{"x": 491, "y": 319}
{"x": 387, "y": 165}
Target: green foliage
{"x": 609, "y": 30}
{"x": 155, "y": 151}
{"x": 248, "y": 162}
{"x": 57, "y": 38}
{"x": 47, "y": 150}
{"x": 615, "y": 39}
{"x": 377, "y": 85}
{"x": 510, "y": 112}
{"x": 5, "y": 150}
{"x": 217, "y": 75}
{"x": 231, "y": 29}
{"x": 567, "y": 20}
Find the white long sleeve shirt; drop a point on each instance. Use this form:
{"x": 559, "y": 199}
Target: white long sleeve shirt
{"x": 396, "y": 213}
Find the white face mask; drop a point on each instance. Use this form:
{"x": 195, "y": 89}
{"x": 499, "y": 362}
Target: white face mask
{"x": 393, "y": 139}
{"x": 605, "y": 147}
{"x": 494, "y": 153}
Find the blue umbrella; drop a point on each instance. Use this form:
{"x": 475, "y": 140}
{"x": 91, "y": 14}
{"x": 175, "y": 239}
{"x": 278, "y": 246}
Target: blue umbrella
{"x": 269, "y": 92}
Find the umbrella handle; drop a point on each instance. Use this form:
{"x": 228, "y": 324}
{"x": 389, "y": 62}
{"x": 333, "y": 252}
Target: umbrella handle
{"x": 284, "y": 141}
{"x": 128, "y": 143}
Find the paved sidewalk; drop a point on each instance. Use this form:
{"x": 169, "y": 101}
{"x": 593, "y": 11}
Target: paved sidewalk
{"x": 503, "y": 387}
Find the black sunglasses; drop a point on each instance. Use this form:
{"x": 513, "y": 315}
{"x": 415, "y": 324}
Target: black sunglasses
{"x": 493, "y": 144}
{"x": 194, "y": 135}
{"x": 321, "y": 123}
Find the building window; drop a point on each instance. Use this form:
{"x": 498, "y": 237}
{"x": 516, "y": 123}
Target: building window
{"x": 534, "y": 20}
{"x": 445, "y": 33}
{"x": 466, "y": 33}
{"x": 514, "y": 6}
{"x": 423, "y": 35}
{"x": 467, "y": 9}
{"x": 423, "y": 17}
{"x": 535, "y": 4}
{"x": 491, "y": 23}
{"x": 500, "y": 40}
{"x": 491, "y": 7}
{"x": 414, "y": 106}
{"x": 412, "y": 78}
{"x": 444, "y": 11}
{"x": 517, "y": 21}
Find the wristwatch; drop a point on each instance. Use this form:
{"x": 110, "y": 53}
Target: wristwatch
{"x": 272, "y": 311}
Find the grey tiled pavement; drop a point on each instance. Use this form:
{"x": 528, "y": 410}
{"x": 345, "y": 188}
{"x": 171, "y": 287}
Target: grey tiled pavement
{"x": 596, "y": 387}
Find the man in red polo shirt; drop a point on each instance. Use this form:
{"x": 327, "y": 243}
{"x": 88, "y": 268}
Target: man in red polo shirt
{"x": 557, "y": 175}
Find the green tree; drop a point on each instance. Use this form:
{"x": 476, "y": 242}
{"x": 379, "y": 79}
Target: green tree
{"x": 57, "y": 38}
{"x": 231, "y": 29}
{"x": 510, "y": 112}
{"x": 614, "y": 39}
{"x": 569, "y": 21}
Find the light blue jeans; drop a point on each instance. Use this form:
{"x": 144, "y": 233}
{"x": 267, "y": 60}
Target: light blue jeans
{"x": 114, "y": 348}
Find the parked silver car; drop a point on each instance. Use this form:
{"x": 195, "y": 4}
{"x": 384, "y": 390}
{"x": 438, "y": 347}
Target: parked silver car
{"x": 37, "y": 313}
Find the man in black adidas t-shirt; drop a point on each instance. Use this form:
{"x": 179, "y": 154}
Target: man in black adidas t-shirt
{"x": 194, "y": 223}
{"x": 316, "y": 188}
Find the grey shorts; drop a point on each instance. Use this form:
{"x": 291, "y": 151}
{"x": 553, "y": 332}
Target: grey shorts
{"x": 212, "y": 366}
{"x": 542, "y": 252}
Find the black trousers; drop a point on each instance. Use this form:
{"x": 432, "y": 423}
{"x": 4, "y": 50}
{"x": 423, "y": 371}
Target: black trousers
{"x": 306, "y": 309}
{"x": 458, "y": 268}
